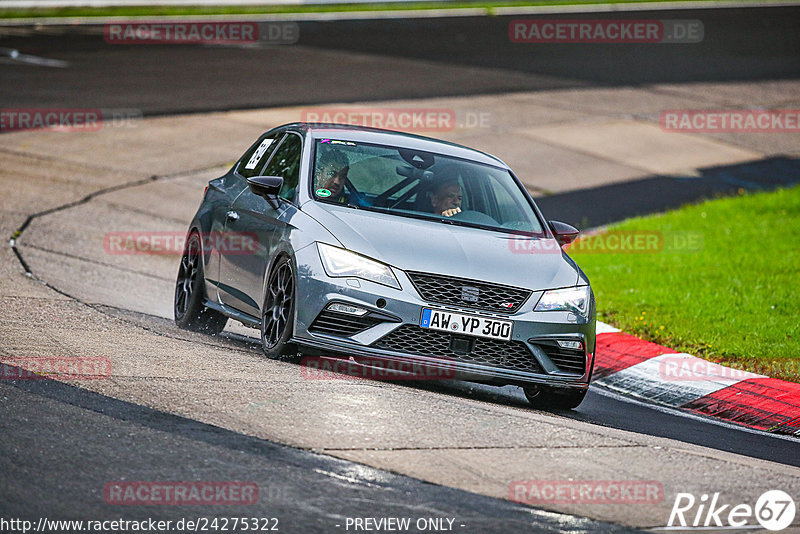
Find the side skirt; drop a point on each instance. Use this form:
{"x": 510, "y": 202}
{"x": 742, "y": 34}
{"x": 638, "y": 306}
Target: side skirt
{"x": 244, "y": 318}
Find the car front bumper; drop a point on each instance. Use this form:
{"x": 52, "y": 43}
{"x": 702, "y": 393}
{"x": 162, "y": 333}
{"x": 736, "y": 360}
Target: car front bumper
{"x": 534, "y": 334}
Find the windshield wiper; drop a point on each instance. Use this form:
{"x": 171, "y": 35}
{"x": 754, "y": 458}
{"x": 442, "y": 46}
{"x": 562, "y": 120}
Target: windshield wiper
{"x": 466, "y": 224}
{"x": 462, "y": 224}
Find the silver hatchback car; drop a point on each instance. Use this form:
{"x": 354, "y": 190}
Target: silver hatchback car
{"x": 391, "y": 250}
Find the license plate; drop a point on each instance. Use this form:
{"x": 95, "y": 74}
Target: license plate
{"x": 471, "y": 325}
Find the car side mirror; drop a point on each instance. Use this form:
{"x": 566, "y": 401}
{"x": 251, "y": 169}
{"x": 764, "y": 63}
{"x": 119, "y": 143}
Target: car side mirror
{"x": 563, "y": 232}
{"x": 267, "y": 187}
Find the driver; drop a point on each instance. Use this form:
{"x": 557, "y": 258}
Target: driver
{"x": 332, "y": 168}
{"x": 446, "y": 198}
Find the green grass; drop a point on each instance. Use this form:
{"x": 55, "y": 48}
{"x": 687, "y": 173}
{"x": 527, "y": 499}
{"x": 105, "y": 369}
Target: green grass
{"x": 158, "y": 11}
{"x": 734, "y": 299}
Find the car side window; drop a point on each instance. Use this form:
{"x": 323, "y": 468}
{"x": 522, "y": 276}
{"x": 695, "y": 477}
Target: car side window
{"x": 286, "y": 164}
{"x": 256, "y": 156}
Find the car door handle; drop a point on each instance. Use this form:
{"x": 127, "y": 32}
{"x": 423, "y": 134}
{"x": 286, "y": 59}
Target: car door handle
{"x": 232, "y": 216}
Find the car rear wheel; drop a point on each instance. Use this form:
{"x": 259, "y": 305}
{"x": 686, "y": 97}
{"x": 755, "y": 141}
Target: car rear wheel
{"x": 278, "y": 312}
{"x": 547, "y": 398}
{"x": 188, "y": 308}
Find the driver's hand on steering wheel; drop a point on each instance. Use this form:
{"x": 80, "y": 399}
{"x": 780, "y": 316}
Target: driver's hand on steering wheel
{"x": 451, "y": 212}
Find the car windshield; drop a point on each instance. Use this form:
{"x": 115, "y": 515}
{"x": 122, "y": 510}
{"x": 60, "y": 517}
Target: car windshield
{"x": 422, "y": 185}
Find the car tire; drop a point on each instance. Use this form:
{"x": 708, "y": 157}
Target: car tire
{"x": 188, "y": 308}
{"x": 277, "y": 313}
{"x": 547, "y": 398}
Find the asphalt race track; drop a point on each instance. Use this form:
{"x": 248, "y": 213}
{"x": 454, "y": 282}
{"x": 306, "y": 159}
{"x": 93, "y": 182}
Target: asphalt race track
{"x": 386, "y": 59}
{"x": 185, "y": 407}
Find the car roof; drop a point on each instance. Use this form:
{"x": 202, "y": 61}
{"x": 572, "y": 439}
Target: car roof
{"x": 362, "y": 134}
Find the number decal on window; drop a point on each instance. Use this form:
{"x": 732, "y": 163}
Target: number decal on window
{"x": 256, "y": 157}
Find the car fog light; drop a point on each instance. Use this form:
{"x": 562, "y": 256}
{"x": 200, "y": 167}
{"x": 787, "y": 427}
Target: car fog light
{"x": 345, "y": 308}
{"x": 575, "y": 345}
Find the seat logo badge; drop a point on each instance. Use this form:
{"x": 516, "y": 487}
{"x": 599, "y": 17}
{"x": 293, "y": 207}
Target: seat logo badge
{"x": 470, "y": 294}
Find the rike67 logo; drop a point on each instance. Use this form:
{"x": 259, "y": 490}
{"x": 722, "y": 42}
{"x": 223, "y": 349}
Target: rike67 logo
{"x": 774, "y": 510}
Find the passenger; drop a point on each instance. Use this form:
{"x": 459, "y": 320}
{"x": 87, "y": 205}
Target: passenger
{"x": 446, "y": 198}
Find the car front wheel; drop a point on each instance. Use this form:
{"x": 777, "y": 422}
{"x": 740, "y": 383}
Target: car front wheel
{"x": 278, "y": 312}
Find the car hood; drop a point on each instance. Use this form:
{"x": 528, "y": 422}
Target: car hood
{"x": 427, "y": 246}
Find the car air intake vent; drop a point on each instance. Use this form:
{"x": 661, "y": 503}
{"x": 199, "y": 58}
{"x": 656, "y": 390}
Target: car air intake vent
{"x": 567, "y": 360}
{"x": 468, "y": 293}
{"x": 341, "y": 324}
{"x": 412, "y": 339}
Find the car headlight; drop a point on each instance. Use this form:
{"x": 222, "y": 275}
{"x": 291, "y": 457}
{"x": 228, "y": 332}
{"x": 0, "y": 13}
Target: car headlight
{"x": 341, "y": 263}
{"x": 574, "y": 299}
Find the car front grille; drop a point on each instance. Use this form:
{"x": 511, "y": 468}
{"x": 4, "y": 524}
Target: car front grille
{"x": 567, "y": 360}
{"x": 341, "y": 324}
{"x": 411, "y": 339}
{"x": 468, "y": 293}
